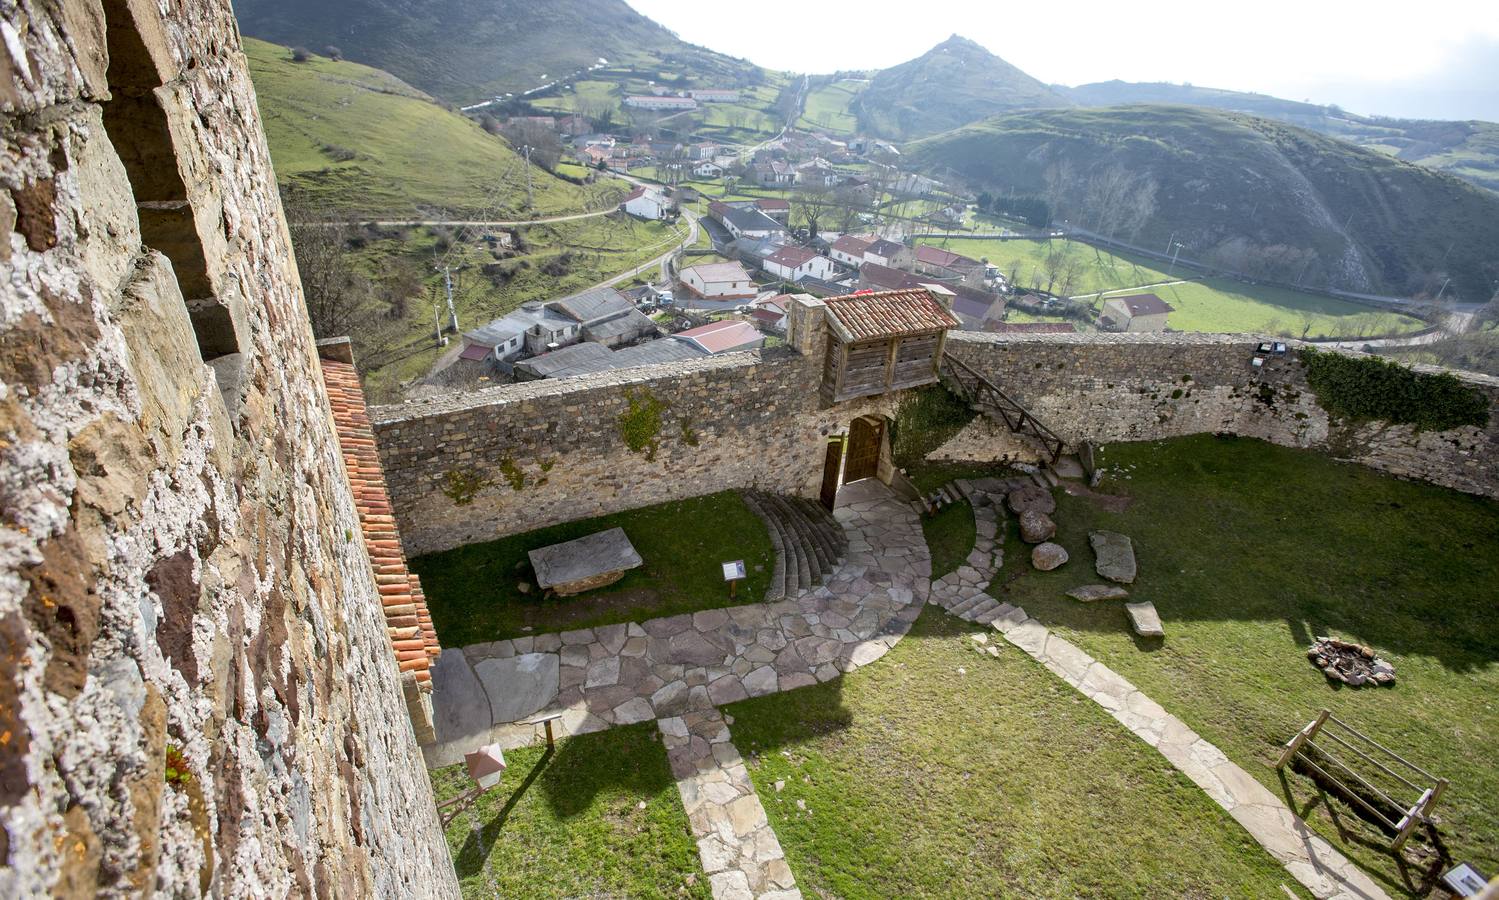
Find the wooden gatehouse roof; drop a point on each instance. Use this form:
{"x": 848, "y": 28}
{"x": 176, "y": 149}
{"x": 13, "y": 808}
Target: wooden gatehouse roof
{"x": 887, "y": 314}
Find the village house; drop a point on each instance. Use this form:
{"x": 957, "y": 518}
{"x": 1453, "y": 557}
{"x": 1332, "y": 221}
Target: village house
{"x": 608, "y": 317}
{"x": 748, "y": 223}
{"x": 769, "y": 314}
{"x": 534, "y": 328}
{"x": 644, "y": 203}
{"x": 849, "y": 250}
{"x": 817, "y": 173}
{"x": 884, "y": 252}
{"x": 876, "y": 277}
{"x": 704, "y": 150}
{"x": 1134, "y": 312}
{"x": 776, "y": 208}
{"x": 718, "y": 281}
{"x": 727, "y": 336}
{"x": 671, "y": 103}
{"x": 708, "y": 169}
{"x": 586, "y": 359}
{"x": 592, "y": 156}
{"x": 794, "y": 263}
{"x": 774, "y": 173}
{"x": 976, "y": 309}
{"x": 946, "y": 264}
{"x": 715, "y": 95}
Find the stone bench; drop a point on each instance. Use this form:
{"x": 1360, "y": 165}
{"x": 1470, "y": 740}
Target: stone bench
{"x": 585, "y": 563}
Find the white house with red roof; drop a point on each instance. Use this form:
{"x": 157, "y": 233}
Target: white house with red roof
{"x": 644, "y": 203}
{"x": 793, "y": 263}
{"x": 849, "y": 250}
{"x": 1135, "y": 312}
{"x": 727, "y": 336}
{"x": 718, "y": 281}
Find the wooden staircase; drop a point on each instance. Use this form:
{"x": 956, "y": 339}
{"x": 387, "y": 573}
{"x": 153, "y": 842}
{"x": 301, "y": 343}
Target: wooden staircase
{"x": 986, "y": 397}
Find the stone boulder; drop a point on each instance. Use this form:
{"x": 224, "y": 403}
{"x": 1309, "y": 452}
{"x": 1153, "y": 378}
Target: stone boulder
{"x": 1048, "y": 556}
{"x": 1030, "y": 496}
{"x": 1115, "y": 556}
{"x": 1089, "y": 593}
{"x": 1144, "y": 619}
{"x": 1036, "y": 526}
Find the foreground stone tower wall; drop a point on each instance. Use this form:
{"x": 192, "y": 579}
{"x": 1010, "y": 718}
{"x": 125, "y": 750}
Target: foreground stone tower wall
{"x": 197, "y": 693}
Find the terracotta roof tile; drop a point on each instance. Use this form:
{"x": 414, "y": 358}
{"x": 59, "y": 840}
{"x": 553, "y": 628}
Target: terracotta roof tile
{"x": 407, "y": 620}
{"x": 862, "y": 317}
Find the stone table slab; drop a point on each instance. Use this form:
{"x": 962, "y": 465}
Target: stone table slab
{"x": 586, "y": 562}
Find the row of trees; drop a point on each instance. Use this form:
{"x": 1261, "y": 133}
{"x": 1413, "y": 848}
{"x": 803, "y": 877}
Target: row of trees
{"x": 1110, "y": 200}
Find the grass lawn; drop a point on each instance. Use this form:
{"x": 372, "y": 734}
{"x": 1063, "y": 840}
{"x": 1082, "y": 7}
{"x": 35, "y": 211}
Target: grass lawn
{"x": 949, "y": 536}
{"x": 1099, "y": 270}
{"x": 942, "y": 772}
{"x": 474, "y": 596}
{"x": 599, "y": 817}
{"x": 362, "y": 142}
{"x": 1249, "y": 551}
{"x": 1220, "y": 304}
{"x": 828, "y": 106}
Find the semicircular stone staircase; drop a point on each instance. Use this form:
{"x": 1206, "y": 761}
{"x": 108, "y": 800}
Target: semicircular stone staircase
{"x": 810, "y": 544}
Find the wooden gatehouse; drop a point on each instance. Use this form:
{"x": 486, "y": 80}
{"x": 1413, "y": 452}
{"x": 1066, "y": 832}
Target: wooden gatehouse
{"x": 881, "y": 342}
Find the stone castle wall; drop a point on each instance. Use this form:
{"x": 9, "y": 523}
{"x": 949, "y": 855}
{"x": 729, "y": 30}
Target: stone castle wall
{"x": 550, "y": 451}
{"x": 544, "y": 452}
{"x": 181, "y": 582}
{"x": 1134, "y": 387}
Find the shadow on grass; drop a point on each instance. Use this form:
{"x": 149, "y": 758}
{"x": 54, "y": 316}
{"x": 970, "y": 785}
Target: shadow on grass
{"x": 1229, "y": 529}
{"x": 470, "y": 858}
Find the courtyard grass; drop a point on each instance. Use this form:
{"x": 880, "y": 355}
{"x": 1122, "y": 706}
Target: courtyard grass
{"x": 474, "y": 591}
{"x": 1249, "y": 551}
{"x": 949, "y": 537}
{"x": 599, "y": 817}
{"x": 940, "y": 771}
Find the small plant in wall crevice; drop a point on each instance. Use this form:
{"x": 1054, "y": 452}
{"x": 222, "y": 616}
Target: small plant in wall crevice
{"x": 461, "y": 485}
{"x": 640, "y": 424}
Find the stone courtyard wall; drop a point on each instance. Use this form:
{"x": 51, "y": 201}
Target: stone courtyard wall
{"x": 543, "y": 452}
{"x": 1135, "y": 387}
{"x": 197, "y": 693}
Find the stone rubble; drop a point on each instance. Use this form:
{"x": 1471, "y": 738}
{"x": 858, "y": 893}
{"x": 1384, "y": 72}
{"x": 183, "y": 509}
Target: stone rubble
{"x": 1090, "y": 593}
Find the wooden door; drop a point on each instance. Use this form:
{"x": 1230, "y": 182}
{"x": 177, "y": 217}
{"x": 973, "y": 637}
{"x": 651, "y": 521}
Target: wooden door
{"x": 863, "y": 449}
{"x": 831, "y": 463}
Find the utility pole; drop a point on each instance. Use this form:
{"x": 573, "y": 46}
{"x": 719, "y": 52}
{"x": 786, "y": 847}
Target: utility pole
{"x": 530, "y": 202}
{"x": 1442, "y": 291}
{"x": 1174, "y": 254}
{"x": 447, "y": 282}
{"x": 1170, "y": 241}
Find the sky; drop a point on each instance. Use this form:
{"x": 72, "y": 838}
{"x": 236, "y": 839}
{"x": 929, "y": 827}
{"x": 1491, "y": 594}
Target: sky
{"x": 1433, "y": 59}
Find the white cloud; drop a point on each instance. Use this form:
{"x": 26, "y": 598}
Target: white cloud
{"x": 1435, "y": 59}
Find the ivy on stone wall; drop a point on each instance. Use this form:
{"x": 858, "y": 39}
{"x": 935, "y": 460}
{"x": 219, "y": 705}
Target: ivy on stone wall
{"x": 462, "y": 485}
{"x": 512, "y": 474}
{"x": 640, "y": 425}
{"x": 927, "y": 418}
{"x": 1364, "y": 388}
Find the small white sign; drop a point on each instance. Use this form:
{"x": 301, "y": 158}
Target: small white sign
{"x": 733, "y": 571}
{"x": 1464, "y": 880}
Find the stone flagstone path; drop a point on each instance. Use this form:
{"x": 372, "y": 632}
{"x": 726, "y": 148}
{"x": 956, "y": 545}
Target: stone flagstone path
{"x": 739, "y": 850}
{"x": 620, "y": 674}
{"x": 1308, "y": 858}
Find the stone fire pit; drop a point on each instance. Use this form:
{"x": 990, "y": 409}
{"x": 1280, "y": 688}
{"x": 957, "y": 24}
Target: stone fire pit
{"x": 1352, "y": 664}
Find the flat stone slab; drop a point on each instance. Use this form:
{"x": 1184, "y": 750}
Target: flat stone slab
{"x": 1144, "y": 619}
{"x": 519, "y": 685}
{"x": 1030, "y": 496}
{"x": 585, "y": 563}
{"x": 1115, "y": 556}
{"x": 1089, "y": 593}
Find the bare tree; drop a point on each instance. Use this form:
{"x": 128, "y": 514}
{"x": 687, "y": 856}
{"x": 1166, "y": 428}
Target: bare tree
{"x": 545, "y": 143}
{"x": 337, "y": 294}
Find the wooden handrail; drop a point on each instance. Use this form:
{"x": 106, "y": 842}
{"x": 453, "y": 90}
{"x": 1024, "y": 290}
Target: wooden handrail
{"x": 983, "y": 391}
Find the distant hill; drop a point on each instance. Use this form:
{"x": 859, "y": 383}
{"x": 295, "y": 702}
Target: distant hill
{"x": 1469, "y": 150}
{"x": 362, "y": 142}
{"x": 465, "y": 51}
{"x": 1251, "y": 193}
{"x": 953, "y": 84}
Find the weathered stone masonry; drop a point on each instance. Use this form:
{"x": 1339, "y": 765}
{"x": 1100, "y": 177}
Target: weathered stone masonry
{"x": 181, "y": 580}
{"x": 740, "y": 420}
{"x": 757, "y": 422}
{"x": 1133, "y": 387}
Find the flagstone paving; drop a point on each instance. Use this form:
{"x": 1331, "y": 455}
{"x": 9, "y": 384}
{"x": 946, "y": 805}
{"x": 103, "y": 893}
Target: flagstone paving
{"x": 631, "y": 672}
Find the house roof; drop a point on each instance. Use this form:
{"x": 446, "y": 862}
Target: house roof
{"x": 632, "y": 323}
{"x": 791, "y": 257}
{"x": 475, "y": 351}
{"x": 779, "y": 303}
{"x": 971, "y": 306}
{"x": 635, "y": 194}
{"x": 885, "y": 248}
{"x": 936, "y": 256}
{"x": 407, "y": 621}
{"x": 592, "y": 304}
{"x": 577, "y": 359}
{"x": 498, "y": 331}
{"x": 722, "y": 337}
{"x": 714, "y": 272}
{"x": 767, "y": 315}
{"x": 853, "y": 246}
{"x": 773, "y": 203}
{"x": 652, "y": 352}
{"x": 750, "y": 220}
{"x": 888, "y": 278}
{"x": 1143, "y": 304}
{"x": 862, "y": 317}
